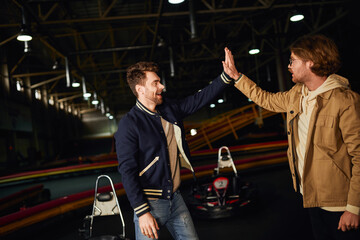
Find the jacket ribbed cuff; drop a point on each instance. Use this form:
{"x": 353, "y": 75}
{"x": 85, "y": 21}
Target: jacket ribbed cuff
{"x": 142, "y": 209}
{"x": 226, "y": 78}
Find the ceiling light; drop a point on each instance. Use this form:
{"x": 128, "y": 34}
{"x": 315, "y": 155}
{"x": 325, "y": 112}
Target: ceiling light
{"x": 75, "y": 84}
{"x": 51, "y": 101}
{"x": 254, "y": 51}
{"x": 220, "y": 100}
{"x": 193, "y": 132}
{"x": 37, "y": 94}
{"x": 86, "y": 95}
{"x": 19, "y": 86}
{"x": 161, "y": 43}
{"x": 296, "y": 16}
{"x": 176, "y": 1}
{"x": 56, "y": 65}
{"x": 24, "y": 36}
{"x": 254, "y": 47}
{"x": 95, "y": 101}
{"x": 212, "y": 105}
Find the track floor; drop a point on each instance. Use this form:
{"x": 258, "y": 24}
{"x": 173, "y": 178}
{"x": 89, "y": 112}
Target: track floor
{"x": 278, "y": 214}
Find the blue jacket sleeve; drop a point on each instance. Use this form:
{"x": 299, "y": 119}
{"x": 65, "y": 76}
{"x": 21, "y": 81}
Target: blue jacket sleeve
{"x": 126, "y": 141}
{"x": 192, "y": 103}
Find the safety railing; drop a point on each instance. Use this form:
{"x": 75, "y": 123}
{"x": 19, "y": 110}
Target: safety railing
{"x": 224, "y": 124}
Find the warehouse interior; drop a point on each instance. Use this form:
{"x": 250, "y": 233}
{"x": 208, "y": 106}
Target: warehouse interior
{"x": 93, "y": 42}
{"x": 63, "y": 87}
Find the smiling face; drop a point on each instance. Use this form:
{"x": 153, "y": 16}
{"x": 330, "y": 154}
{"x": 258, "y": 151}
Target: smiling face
{"x": 150, "y": 92}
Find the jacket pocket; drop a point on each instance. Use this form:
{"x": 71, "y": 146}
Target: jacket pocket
{"x": 330, "y": 182}
{"x": 149, "y": 166}
{"x": 325, "y": 121}
{"x": 326, "y": 133}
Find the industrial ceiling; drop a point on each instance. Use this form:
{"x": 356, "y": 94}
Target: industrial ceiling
{"x": 94, "y": 41}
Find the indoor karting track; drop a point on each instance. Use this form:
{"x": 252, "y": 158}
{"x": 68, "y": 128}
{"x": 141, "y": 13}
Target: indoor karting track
{"x": 277, "y": 214}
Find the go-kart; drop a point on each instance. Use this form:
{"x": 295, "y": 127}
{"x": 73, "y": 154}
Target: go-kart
{"x": 224, "y": 194}
{"x": 106, "y": 221}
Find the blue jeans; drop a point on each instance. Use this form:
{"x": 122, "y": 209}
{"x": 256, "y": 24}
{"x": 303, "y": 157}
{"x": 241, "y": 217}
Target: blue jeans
{"x": 174, "y": 215}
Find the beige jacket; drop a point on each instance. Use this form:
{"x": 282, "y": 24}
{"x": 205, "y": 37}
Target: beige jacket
{"x": 331, "y": 175}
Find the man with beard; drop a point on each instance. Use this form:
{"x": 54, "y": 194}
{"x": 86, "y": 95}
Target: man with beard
{"x": 323, "y": 127}
{"x": 151, "y": 148}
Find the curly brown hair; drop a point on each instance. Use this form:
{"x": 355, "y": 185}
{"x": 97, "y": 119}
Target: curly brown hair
{"x": 135, "y": 74}
{"x": 319, "y": 49}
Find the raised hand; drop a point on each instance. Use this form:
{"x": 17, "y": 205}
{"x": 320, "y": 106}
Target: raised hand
{"x": 229, "y": 65}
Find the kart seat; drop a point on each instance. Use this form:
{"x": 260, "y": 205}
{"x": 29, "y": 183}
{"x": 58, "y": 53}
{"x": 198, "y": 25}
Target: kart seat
{"x": 106, "y": 221}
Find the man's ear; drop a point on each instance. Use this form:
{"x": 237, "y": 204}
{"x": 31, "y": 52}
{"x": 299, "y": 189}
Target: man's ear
{"x": 139, "y": 89}
{"x": 310, "y": 63}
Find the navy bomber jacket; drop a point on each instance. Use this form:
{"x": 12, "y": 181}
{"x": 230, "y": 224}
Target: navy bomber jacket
{"x": 142, "y": 149}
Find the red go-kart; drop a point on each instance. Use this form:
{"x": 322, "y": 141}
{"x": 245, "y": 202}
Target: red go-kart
{"x": 224, "y": 194}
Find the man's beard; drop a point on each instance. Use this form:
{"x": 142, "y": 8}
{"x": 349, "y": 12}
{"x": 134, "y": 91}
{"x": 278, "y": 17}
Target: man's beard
{"x": 156, "y": 99}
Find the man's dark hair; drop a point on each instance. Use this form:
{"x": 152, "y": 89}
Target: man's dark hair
{"x": 135, "y": 74}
